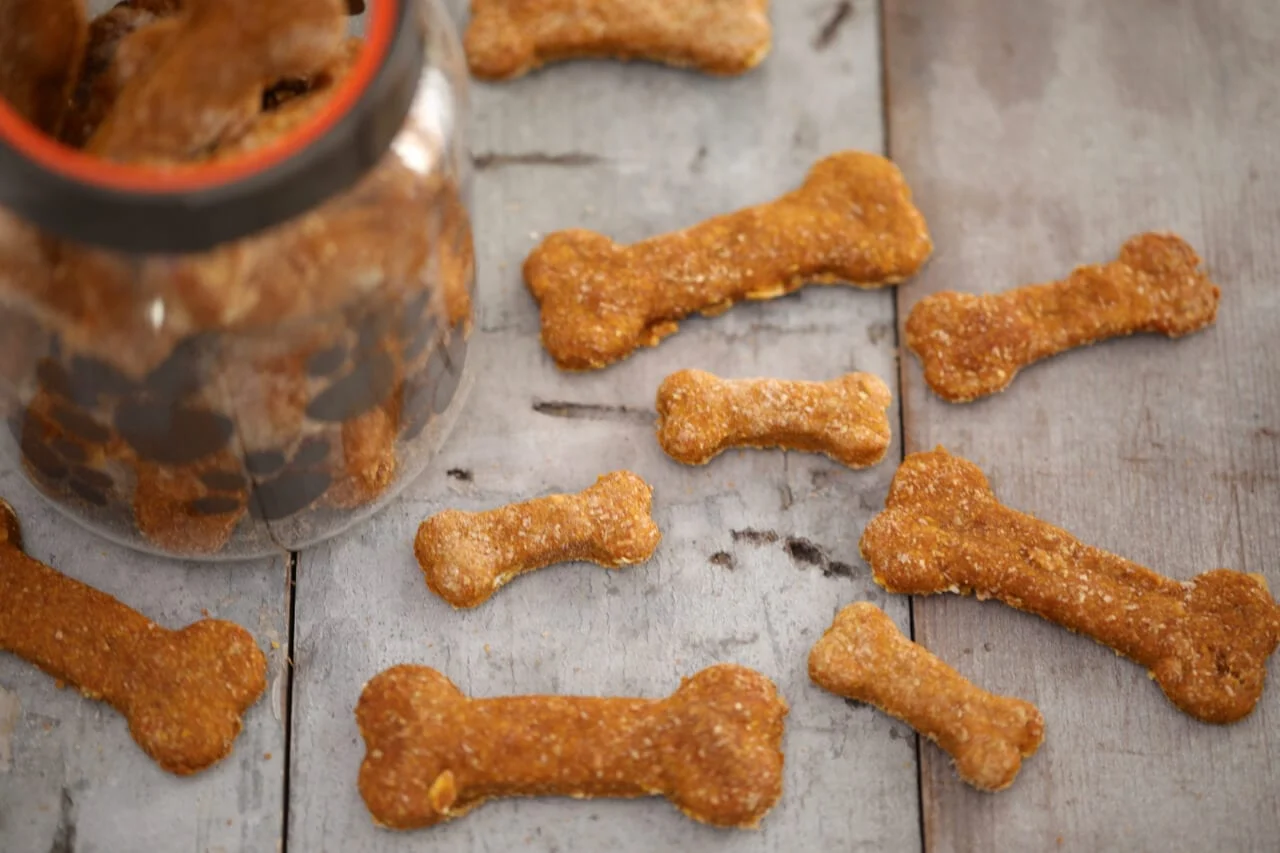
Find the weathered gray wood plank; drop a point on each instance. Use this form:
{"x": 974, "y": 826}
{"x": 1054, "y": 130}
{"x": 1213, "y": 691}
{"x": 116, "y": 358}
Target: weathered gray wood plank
{"x": 1039, "y": 136}
{"x": 660, "y": 150}
{"x": 71, "y": 778}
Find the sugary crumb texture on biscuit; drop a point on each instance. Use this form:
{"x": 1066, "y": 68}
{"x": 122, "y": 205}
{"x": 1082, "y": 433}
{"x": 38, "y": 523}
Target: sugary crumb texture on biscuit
{"x": 852, "y": 222}
{"x": 509, "y": 38}
{"x": 467, "y": 556}
{"x": 974, "y": 345}
{"x": 182, "y": 692}
{"x": 713, "y": 748}
{"x": 863, "y": 656}
{"x": 701, "y": 416}
{"x": 1205, "y": 641}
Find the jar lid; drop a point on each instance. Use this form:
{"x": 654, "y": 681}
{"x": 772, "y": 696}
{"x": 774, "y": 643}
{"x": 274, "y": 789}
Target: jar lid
{"x": 190, "y": 208}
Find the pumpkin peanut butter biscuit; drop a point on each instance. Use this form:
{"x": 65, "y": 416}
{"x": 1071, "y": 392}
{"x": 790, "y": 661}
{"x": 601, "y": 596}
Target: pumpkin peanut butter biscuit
{"x": 852, "y": 222}
{"x": 714, "y": 748}
{"x": 863, "y": 656}
{"x": 183, "y": 692}
{"x": 1205, "y": 641}
{"x": 701, "y": 415}
{"x": 972, "y": 346}
{"x": 508, "y": 38}
{"x": 178, "y": 111}
{"x": 466, "y": 557}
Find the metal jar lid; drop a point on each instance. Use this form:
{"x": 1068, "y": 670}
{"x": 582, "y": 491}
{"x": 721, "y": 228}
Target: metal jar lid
{"x": 190, "y": 208}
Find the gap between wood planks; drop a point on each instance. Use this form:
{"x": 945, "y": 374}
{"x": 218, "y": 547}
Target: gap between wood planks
{"x": 887, "y": 143}
{"x": 291, "y": 588}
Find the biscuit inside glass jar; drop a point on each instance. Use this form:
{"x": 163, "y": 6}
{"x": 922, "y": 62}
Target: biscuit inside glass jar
{"x": 237, "y": 318}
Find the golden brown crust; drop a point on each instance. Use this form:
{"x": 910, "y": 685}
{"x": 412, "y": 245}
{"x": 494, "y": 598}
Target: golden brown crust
{"x": 178, "y": 111}
{"x": 972, "y": 346}
{"x": 852, "y": 222}
{"x": 701, "y": 415}
{"x": 863, "y": 656}
{"x": 42, "y": 45}
{"x": 466, "y": 557}
{"x": 1205, "y": 641}
{"x": 183, "y": 692}
{"x": 714, "y": 748}
{"x": 508, "y": 38}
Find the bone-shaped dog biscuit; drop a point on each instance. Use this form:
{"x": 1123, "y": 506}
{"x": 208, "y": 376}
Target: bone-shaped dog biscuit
{"x": 714, "y": 748}
{"x": 467, "y": 556}
{"x": 701, "y": 415}
{"x": 972, "y": 346}
{"x": 852, "y": 222}
{"x": 863, "y": 656}
{"x": 1205, "y": 641}
{"x": 183, "y": 692}
{"x": 507, "y": 38}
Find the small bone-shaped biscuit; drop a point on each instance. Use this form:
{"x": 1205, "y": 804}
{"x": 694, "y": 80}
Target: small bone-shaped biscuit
{"x": 714, "y": 748}
{"x": 972, "y": 346}
{"x": 863, "y": 656}
{"x": 183, "y": 692}
{"x": 467, "y": 556}
{"x": 700, "y": 415}
{"x": 852, "y": 222}
{"x": 1205, "y": 641}
{"x": 508, "y": 38}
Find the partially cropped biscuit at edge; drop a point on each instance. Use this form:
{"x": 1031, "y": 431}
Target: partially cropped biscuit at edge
{"x": 509, "y": 38}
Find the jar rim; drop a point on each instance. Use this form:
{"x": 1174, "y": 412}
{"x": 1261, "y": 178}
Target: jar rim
{"x": 192, "y": 207}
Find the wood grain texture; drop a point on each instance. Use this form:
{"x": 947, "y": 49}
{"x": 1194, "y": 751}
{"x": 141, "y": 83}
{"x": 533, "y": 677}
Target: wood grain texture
{"x": 1039, "y": 136}
{"x": 71, "y": 777}
{"x": 633, "y": 151}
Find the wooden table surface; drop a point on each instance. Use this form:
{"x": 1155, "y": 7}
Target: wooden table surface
{"x": 1036, "y": 136}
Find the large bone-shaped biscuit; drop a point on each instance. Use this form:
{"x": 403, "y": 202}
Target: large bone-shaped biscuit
{"x": 852, "y": 222}
{"x": 1205, "y": 641}
{"x": 507, "y": 38}
{"x": 972, "y": 346}
{"x": 467, "y": 556}
{"x": 714, "y": 748}
{"x": 863, "y": 656}
{"x": 701, "y": 415}
{"x": 183, "y": 692}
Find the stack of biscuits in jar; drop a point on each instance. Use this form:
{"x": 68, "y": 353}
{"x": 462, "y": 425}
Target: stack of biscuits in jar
{"x": 250, "y": 396}
{"x": 714, "y": 746}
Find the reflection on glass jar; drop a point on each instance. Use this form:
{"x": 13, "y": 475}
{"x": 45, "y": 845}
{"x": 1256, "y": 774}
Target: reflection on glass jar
{"x": 226, "y": 336}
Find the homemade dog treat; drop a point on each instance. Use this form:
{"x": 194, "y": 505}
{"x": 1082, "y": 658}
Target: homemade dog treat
{"x": 467, "y": 556}
{"x": 863, "y": 656}
{"x": 183, "y": 692}
{"x": 507, "y": 38}
{"x": 1205, "y": 641}
{"x": 972, "y": 346}
{"x": 714, "y": 748}
{"x": 150, "y": 120}
{"x": 701, "y": 415}
{"x": 42, "y": 45}
{"x": 852, "y": 222}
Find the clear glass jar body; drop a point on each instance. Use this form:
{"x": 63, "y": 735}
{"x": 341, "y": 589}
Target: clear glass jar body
{"x": 265, "y": 394}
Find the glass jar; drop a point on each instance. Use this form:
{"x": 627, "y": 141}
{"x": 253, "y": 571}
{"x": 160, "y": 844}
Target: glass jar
{"x": 234, "y": 313}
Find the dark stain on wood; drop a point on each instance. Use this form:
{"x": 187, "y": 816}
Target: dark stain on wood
{"x": 840, "y": 15}
{"x": 594, "y": 412}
